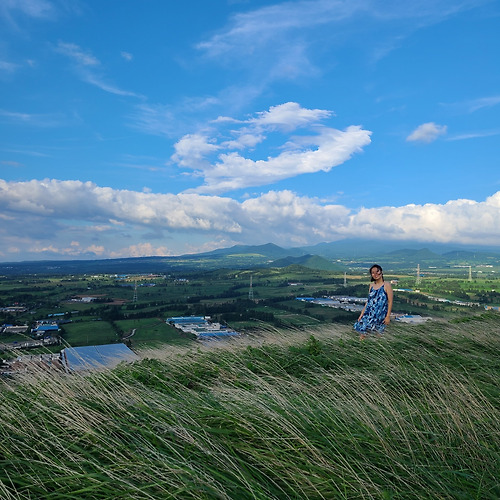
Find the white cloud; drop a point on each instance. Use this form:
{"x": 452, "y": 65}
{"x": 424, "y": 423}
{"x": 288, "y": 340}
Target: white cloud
{"x": 103, "y": 220}
{"x": 332, "y": 147}
{"x": 289, "y": 116}
{"x": 427, "y": 132}
{"x": 324, "y": 149}
{"x": 141, "y": 250}
{"x": 76, "y": 200}
{"x": 191, "y": 150}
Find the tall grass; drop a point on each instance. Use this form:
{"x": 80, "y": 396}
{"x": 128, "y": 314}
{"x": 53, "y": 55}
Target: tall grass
{"x": 287, "y": 415}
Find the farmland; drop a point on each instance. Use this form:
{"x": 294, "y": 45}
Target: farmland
{"x": 107, "y": 308}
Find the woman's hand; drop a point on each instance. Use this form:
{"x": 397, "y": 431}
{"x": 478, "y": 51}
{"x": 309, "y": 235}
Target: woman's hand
{"x": 387, "y": 320}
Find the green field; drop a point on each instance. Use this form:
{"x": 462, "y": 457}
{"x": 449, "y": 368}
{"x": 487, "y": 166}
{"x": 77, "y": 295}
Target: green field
{"x": 223, "y": 295}
{"x": 151, "y": 332}
{"x": 89, "y": 333}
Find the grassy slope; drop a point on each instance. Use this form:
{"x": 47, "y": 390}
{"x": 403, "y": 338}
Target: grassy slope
{"x": 413, "y": 415}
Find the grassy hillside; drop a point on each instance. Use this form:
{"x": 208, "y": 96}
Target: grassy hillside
{"x": 301, "y": 415}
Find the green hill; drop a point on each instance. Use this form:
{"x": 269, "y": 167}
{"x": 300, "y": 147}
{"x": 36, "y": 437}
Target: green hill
{"x": 288, "y": 415}
{"x": 309, "y": 261}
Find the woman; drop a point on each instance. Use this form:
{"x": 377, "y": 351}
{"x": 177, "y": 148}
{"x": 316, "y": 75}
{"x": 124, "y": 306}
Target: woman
{"x": 376, "y": 314}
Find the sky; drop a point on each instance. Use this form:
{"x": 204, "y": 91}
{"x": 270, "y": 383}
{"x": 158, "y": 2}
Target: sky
{"x": 133, "y": 128}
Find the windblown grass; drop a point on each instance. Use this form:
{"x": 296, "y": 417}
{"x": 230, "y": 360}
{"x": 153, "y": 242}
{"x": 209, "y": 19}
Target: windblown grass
{"x": 304, "y": 415}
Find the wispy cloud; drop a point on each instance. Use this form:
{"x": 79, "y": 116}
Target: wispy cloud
{"x": 33, "y": 119}
{"x": 87, "y": 66}
{"x": 484, "y": 102}
{"x": 77, "y": 54}
{"x": 126, "y": 55}
{"x": 8, "y": 67}
{"x": 31, "y": 8}
{"x": 474, "y": 135}
{"x": 427, "y": 132}
{"x": 8, "y": 163}
{"x": 264, "y": 32}
{"x": 473, "y": 105}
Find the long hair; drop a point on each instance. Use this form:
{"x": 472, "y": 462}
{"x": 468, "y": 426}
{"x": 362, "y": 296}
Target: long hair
{"x": 376, "y": 266}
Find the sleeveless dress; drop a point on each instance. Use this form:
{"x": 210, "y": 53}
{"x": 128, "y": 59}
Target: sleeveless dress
{"x": 375, "y": 312}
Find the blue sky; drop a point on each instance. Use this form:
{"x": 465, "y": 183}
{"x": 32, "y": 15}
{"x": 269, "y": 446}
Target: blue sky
{"x": 132, "y": 128}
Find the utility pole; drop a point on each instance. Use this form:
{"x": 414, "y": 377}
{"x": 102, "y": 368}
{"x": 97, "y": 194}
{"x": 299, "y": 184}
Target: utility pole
{"x": 250, "y": 291}
{"x": 135, "y": 292}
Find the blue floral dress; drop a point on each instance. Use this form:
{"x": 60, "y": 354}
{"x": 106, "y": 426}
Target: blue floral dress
{"x": 375, "y": 312}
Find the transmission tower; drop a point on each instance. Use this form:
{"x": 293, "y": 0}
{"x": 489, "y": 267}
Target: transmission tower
{"x": 345, "y": 278}
{"x": 135, "y": 292}
{"x": 470, "y": 273}
{"x": 250, "y": 291}
{"x": 418, "y": 274}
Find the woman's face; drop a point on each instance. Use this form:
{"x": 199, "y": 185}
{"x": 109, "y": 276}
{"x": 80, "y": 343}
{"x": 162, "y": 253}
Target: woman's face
{"x": 376, "y": 273}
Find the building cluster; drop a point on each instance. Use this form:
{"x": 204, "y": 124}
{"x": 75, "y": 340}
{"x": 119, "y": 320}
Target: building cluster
{"x": 413, "y": 319}
{"x": 13, "y": 309}
{"x": 41, "y": 334}
{"x": 352, "y": 304}
{"x": 8, "y": 329}
{"x": 201, "y": 326}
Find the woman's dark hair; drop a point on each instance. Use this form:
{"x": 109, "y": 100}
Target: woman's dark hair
{"x": 375, "y": 266}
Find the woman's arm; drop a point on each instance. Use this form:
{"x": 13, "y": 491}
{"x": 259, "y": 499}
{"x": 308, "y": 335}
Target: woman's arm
{"x": 390, "y": 298}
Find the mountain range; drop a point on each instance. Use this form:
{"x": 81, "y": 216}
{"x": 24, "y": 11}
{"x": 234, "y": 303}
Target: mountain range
{"x": 325, "y": 256}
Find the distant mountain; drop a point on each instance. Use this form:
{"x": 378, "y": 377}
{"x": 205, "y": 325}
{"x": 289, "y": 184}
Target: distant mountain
{"x": 269, "y": 250}
{"x": 309, "y": 261}
{"x": 355, "y": 248}
{"x": 411, "y": 255}
{"x": 362, "y": 253}
{"x": 373, "y": 249}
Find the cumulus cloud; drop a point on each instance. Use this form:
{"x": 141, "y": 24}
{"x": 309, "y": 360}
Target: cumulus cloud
{"x": 192, "y": 149}
{"x": 78, "y": 219}
{"x": 427, "y": 132}
{"x": 76, "y": 200}
{"x": 141, "y": 250}
{"x": 319, "y": 151}
{"x": 289, "y": 116}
